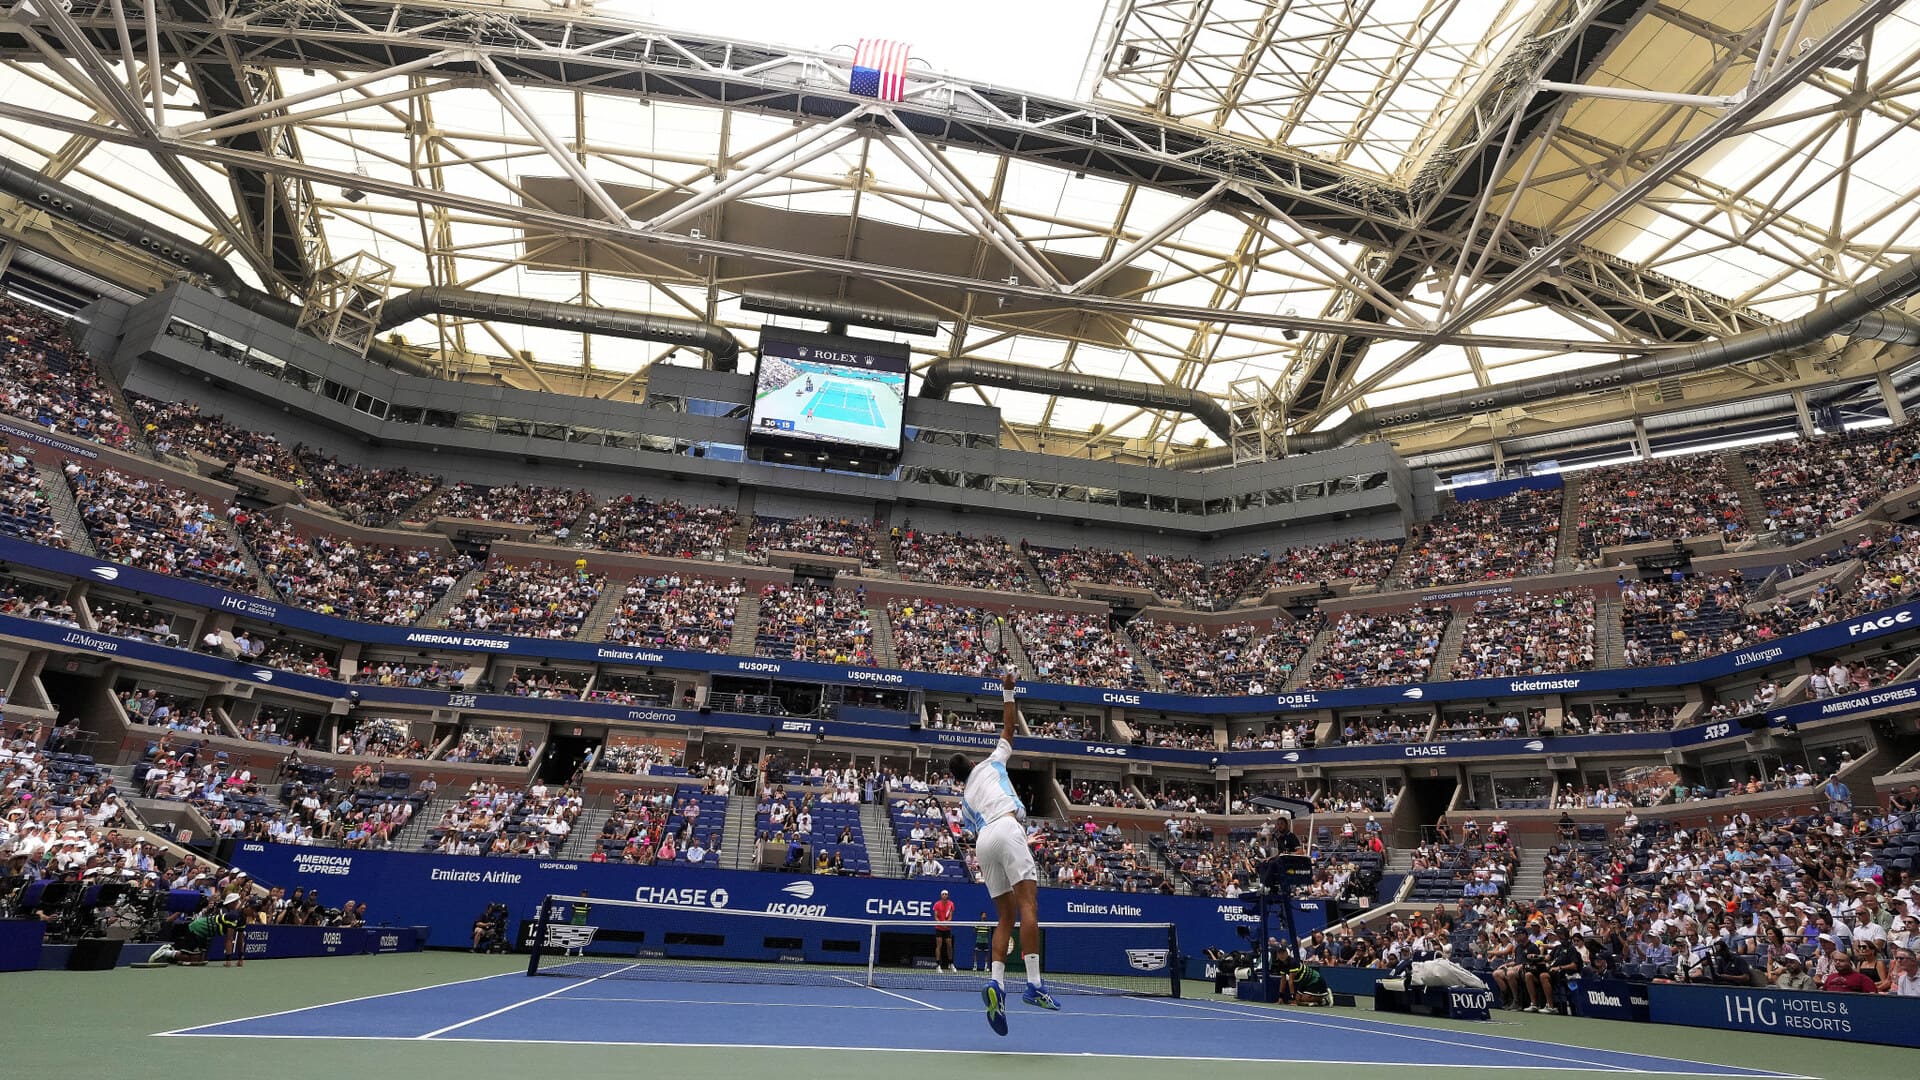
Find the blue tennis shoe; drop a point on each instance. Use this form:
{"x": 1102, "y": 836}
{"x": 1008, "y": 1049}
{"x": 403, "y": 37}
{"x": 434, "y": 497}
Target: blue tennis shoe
{"x": 996, "y": 1000}
{"x": 1040, "y": 997}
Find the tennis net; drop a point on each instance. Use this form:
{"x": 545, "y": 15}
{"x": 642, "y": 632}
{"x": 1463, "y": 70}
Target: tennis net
{"x": 578, "y": 937}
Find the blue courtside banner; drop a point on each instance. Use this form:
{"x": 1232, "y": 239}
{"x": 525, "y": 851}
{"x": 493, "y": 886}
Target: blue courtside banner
{"x": 1608, "y": 999}
{"x": 291, "y": 942}
{"x": 1875, "y": 1018}
{"x": 446, "y": 892}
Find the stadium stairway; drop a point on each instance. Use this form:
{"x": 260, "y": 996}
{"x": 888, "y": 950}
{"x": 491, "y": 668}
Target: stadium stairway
{"x": 1403, "y": 562}
{"x": 883, "y": 853}
{"x": 65, "y": 511}
{"x": 594, "y": 626}
{"x": 1530, "y": 879}
{"x": 1741, "y": 480}
{"x": 437, "y": 614}
{"x": 1155, "y": 681}
{"x": 1571, "y": 550}
{"x": 746, "y": 625}
{"x": 417, "y": 512}
{"x": 1452, "y": 639}
{"x": 1033, "y": 569}
{"x": 737, "y": 842}
{"x": 261, "y": 587}
{"x": 883, "y": 651}
{"x": 585, "y": 836}
{"x": 1318, "y": 645}
{"x": 1610, "y": 636}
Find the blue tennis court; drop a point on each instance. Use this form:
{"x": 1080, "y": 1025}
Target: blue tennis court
{"x": 845, "y": 403}
{"x": 610, "y": 1010}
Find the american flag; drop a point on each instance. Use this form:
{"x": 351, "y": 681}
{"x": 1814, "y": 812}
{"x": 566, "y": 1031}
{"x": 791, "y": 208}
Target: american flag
{"x": 880, "y": 69}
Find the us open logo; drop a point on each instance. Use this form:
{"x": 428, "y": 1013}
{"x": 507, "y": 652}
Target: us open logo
{"x": 799, "y": 890}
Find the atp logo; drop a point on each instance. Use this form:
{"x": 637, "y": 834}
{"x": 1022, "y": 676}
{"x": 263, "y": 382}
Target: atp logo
{"x": 1413, "y": 693}
{"x": 799, "y": 890}
{"x": 105, "y": 573}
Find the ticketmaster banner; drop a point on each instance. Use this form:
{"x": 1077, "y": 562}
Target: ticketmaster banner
{"x": 447, "y": 892}
{"x": 1874, "y": 1018}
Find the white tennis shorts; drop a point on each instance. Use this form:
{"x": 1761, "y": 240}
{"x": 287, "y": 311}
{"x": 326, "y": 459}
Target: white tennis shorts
{"x": 1004, "y": 855}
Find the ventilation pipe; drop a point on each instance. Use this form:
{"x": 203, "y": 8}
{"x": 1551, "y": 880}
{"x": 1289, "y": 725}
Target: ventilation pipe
{"x": 553, "y": 315}
{"x": 1864, "y": 312}
{"x": 942, "y": 375}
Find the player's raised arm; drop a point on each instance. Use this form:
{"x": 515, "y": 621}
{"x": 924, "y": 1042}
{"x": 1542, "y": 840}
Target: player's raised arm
{"x": 1010, "y": 711}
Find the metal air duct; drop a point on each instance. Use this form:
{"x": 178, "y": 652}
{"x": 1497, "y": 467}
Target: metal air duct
{"x": 943, "y": 374}
{"x": 553, "y": 315}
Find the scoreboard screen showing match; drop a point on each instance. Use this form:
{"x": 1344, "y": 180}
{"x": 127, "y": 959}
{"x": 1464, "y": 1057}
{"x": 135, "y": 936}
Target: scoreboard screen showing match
{"x": 823, "y": 388}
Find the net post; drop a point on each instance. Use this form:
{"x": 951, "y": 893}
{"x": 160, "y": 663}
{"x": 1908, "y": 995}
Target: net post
{"x": 539, "y": 935}
{"x": 1173, "y": 956}
{"x": 873, "y": 950}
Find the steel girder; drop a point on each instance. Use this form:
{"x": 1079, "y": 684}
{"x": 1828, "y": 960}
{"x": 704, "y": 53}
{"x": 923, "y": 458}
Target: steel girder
{"x": 575, "y": 51}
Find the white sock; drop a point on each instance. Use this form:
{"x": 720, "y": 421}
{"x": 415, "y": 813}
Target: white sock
{"x": 1033, "y": 968}
{"x": 1000, "y": 972}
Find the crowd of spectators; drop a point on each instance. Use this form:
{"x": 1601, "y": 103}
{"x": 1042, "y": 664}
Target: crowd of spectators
{"x": 829, "y": 626}
{"x": 976, "y": 562}
{"x": 1376, "y": 648}
{"x": 547, "y": 509}
{"x": 952, "y": 639}
{"x": 1619, "y": 718}
{"x": 1527, "y": 634}
{"x": 335, "y": 575}
{"x": 180, "y": 427}
{"x": 156, "y": 526}
{"x": 1657, "y": 500}
{"x": 29, "y": 600}
{"x": 1240, "y": 658}
{"x": 1690, "y": 617}
{"x": 491, "y": 746}
{"x": 545, "y": 683}
{"x": 674, "y": 611}
{"x": 1843, "y": 677}
{"x": 1362, "y": 562}
{"x": 1077, "y": 649}
{"x": 1385, "y": 728}
{"x": 539, "y": 600}
{"x": 1296, "y": 735}
{"x": 431, "y": 675}
{"x": 364, "y": 495}
{"x": 1051, "y": 725}
{"x": 380, "y": 737}
{"x": 1807, "y": 485}
{"x": 640, "y": 759}
{"x": 1513, "y": 536}
{"x": 1175, "y": 736}
{"x": 158, "y": 708}
{"x": 649, "y": 826}
{"x": 1061, "y": 567}
{"x": 1793, "y": 901}
{"x": 1083, "y": 855}
{"x": 1474, "y": 724}
{"x": 123, "y": 619}
{"x": 49, "y": 382}
{"x": 1209, "y": 586}
{"x": 664, "y": 527}
{"x": 24, "y": 511}
{"x": 495, "y": 819}
{"x": 846, "y": 538}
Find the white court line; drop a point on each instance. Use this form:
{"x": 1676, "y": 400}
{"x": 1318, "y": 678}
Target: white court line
{"x": 1360, "y": 1025}
{"x": 331, "y": 1004}
{"x": 889, "y": 993}
{"x": 528, "y": 1001}
{"x": 1562, "y": 1067}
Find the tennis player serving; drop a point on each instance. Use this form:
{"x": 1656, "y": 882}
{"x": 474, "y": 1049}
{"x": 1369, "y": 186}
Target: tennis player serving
{"x": 991, "y": 811}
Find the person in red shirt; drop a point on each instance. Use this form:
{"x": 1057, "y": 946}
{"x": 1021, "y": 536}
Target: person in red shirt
{"x": 943, "y": 933}
{"x": 1845, "y": 979}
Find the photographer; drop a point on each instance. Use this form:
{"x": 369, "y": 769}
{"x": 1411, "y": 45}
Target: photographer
{"x": 490, "y": 929}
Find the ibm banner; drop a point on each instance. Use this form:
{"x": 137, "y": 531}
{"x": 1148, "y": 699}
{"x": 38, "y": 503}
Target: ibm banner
{"x": 1848, "y": 1017}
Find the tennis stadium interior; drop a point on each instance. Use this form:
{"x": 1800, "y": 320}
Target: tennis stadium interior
{"x": 507, "y": 509}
